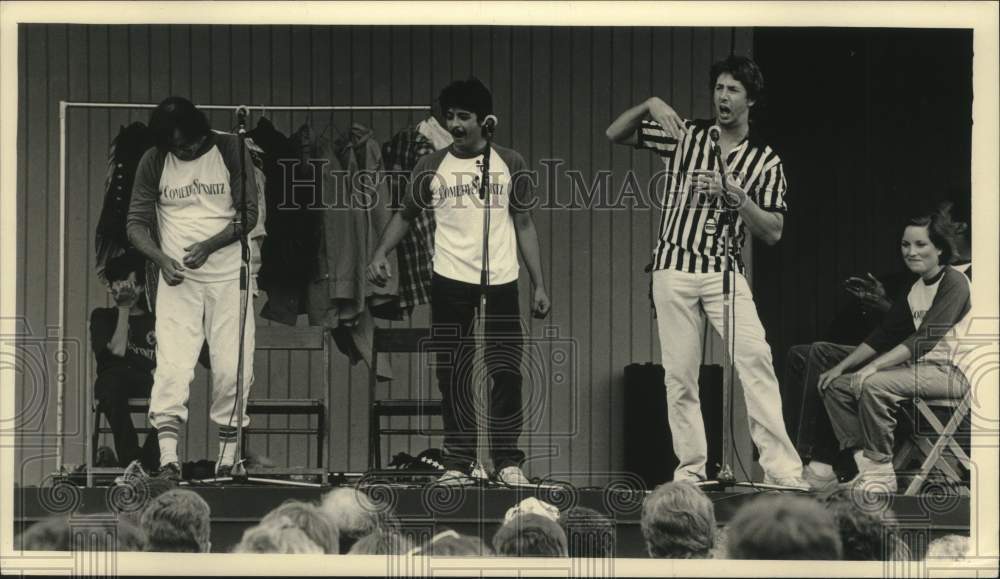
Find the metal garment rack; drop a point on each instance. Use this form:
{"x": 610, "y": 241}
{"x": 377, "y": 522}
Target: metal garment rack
{"x": 61, "y": 360}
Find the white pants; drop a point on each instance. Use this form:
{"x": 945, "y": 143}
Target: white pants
{"x": 682, "y": 301}
{"x": 186, "y": 315}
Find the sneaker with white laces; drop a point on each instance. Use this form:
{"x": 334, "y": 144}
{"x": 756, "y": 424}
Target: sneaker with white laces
{"x": 819, "y": 482}
{"x": 479, "y": 472}
{"x": 455, "y": 478}
{"x": 791, "y": 481}
{"x": 133, "y": 472}
{"x": 513, "y": 475}
{"x": 873, "y": 477}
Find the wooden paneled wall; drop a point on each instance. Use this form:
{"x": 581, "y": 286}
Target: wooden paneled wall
{"x": 555, "y": 91}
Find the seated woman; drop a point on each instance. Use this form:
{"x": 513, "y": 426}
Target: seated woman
{"x": 909, "y": 355}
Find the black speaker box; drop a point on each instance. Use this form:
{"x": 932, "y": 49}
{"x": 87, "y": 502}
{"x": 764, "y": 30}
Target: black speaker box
{"x": 649, "y": 451}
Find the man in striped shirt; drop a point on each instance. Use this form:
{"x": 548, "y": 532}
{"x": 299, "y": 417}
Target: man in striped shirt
{"x": 689, "y": 258}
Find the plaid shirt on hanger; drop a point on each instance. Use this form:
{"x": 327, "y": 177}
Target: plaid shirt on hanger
{"x": 415, "y": 252}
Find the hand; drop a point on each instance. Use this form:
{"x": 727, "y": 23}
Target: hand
{"x": 671, "y": 122}
{"x": 540, "y": 304}
{"x": 869, "y": 291}
{"x": 197, "y": 254}
{"x": 858, "y": 380}
{"x": 378, "y": 270}
{"x": 124, "y": 293}
{"x": 826, "y": 378}
{"x": 710, "y": 183}
{"x": 171, "y": 270}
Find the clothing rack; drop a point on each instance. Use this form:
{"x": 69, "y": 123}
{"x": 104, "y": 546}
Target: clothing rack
{"x": 64, "y": 107}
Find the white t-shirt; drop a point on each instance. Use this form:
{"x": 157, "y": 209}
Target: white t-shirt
{"x": 196, "y": 203}
{"x": 447, "y": 183}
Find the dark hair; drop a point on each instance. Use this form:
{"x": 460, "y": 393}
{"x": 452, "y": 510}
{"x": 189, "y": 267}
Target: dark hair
{"x": 941, "y": 232}
{"x": 470, "y": 94}
{"x": 100, "y": 532}
{"x": 588, "y": 532}
{"x": 678, "y": 522}
{"x": 782, "y": 527}
{"x": 742, "y": 69}
{"x": 865, "y": 534}
{"x": 177, "y": 113}
{"x": 120, "y": 266}
{"x": 530, "y": 535}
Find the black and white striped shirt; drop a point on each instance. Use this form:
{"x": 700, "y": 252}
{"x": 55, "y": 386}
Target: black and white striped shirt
{"x": 686, "y": 235}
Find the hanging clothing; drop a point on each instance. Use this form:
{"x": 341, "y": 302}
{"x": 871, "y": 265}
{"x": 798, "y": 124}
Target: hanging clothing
{"x": 123, "y": 160}
{"x": 415, "y": 252}
{"x": 288, "y": 254}
{"x": 341, "y": 295}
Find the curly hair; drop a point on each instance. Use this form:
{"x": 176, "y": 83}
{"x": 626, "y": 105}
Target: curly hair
{"x": 278, "y": 535}
{"x": 177, "y": 521}
{"x": 311, "y": 520}
{"x": 470, "y": 94}
{"x": 782, "y": 527}
{"x": 678, "y": 522}
{"x": 742, "y": 69}
{"x": 530, "y": 535}
{"x": 865, "y": 534}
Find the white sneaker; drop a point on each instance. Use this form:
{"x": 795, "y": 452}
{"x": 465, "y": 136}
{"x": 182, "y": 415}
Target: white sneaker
{"x": 819, "y": 482}
{"x": 874, "y": 477}
{"x": 513, "y": 475}
{"x": 455, "y": 478}
{"x": 479, "y": 472}
{"x": 133, "y": 472}
{"x": 792, "y": 481}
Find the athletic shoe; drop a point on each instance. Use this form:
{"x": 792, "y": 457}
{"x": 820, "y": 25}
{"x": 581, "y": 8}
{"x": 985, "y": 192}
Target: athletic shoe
{"x": 819, "y": 482}
{"x": 133, "y": 472}
{"x": 455, "y": 478}
{"x": 479, "y": 472}
{"x": 793, "y": 481}
{"x": 513, "y": 475}
{"x": 874, "y": 477}
{"x": 170, "y": 472}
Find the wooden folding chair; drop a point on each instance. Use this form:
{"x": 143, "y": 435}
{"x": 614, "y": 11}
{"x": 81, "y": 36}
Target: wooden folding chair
{"x": 939, "y": 449}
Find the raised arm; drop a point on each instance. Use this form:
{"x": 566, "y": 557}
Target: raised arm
{"x": 623, "y": 130}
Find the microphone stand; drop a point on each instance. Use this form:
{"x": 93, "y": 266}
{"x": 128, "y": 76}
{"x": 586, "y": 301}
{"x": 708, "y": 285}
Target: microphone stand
{"x": 239, "y": 472}
{"x": 726, "y": 233}
{"x": 484, "y": 281}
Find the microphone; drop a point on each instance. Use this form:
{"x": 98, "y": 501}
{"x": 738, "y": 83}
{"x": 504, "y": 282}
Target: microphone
{"x": 490, "y": 123}
{"x": 714, "y": 133}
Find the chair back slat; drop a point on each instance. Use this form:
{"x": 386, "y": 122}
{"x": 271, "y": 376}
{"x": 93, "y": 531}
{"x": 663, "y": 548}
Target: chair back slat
{"x": 396, "y": 340}
{"x": 289, "y": 338}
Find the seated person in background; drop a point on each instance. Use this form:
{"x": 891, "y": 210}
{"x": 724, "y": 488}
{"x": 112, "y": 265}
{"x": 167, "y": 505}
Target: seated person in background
{"x": 866, "y": 534}
{"x": 279, "y": 535}
{"x": 678, "y": 522}
{"x": 102, "y": 534}
{"x": 178, "y": 521}
{"x": 911, "y": 354}
{"x": 530, "y": 535}
{"x": 588, "y": 533}
{"x": 312, "y": 521}
{"x": 810, "y": 427}
{"x": 124, "y": 343}
{"x": 783, "y": 527}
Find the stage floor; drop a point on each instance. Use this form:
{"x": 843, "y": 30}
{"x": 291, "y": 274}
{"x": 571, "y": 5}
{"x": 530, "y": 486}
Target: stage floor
{"x": 424, "y": 510}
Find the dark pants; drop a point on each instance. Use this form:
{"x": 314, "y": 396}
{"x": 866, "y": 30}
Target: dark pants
{"x": 112, "y": 390}
{"x": 812, "y": 432}
{"x": 453, "y": 307}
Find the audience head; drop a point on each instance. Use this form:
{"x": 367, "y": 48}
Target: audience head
{"x": 530, "y": 535}
{"x": 277, "y": 535}
{"x": 678, "y": 522}
{"x": 354, "y": 514}
{"x": 452, "y": 544}
{"x": 783, "y": 527}
{"x": 949, "y": 548}
{"x": 382, "y": 541}
{"x": 588, "y": 533}
{"x": 313, "y": 522}
{"x": 865, "y": 534}
{"x": 177, "y": 521}
{"x": 100, "y": 533}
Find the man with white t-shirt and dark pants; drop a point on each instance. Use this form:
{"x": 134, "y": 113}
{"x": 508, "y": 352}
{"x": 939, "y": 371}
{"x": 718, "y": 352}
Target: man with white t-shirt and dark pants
{"x": 688, "y": 259}
{"x": 447, "y": 183}
{"x": 185, "y": 217}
